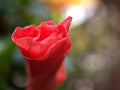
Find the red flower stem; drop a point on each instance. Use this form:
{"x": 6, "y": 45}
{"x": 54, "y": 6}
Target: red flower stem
{"x": 41, "y": 74}
{"x": 43, "y": 80}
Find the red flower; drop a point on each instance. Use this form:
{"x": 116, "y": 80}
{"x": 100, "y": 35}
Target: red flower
{"x": 44, "y": 48}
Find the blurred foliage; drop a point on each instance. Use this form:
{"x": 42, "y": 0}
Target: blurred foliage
{"x": 20, "y": 13}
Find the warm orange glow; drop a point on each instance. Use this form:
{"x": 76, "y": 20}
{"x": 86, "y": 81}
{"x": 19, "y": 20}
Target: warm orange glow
{"x": 61, "y": 1}
{"x": 88, "y": 3}
{"x": 58, "y": 4}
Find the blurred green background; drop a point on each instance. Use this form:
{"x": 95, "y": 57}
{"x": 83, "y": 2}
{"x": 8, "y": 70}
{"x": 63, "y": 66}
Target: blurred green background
{"x": 94, "y": 59}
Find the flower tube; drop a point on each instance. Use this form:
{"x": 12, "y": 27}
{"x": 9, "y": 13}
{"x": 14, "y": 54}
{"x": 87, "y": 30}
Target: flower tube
{"x": 44, "y": 48}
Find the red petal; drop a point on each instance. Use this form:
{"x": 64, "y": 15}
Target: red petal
{"x": 61, "y": 75}
{"x": 29, "y": 31}
{"x": 42, "y": 74}
{"x": 50, "y": 23}
{"x": 66, "y": 23}
{"x": 32, "y": 49}
{"x": 46, "y": 29}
